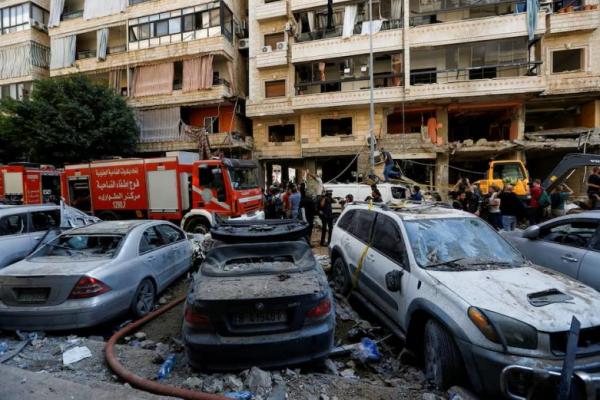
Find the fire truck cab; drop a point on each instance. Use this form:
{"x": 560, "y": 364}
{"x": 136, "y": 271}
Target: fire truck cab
{"x": 28, "y": 183}
{"x": 175, "y": 188}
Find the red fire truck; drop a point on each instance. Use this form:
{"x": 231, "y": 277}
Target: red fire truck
{"x": 27, "y": 183}
{"x": 167, "y": 188}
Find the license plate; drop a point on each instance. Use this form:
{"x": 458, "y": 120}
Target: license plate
{"x": 259, "y": 318}
{"x": 32, "y": 295}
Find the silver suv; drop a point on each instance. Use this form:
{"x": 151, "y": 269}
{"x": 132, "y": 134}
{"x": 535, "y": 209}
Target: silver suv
{"x": 461, "y": 296}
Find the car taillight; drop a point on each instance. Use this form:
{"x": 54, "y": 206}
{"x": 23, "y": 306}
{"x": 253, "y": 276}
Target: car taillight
{"x": 196, "y": 320}
{"x": 88, "y": 287}
{"x": 322, "y": 309}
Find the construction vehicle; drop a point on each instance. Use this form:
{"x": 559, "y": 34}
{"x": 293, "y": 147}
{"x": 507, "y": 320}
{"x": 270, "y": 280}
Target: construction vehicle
{"x": 502, "y": 172}
{"x": 190, "y": 191}
{"x": 28, "y": 183}
{"x": 567, "y": 166}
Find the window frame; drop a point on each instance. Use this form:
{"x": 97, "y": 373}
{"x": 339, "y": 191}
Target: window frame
{"x": 389, "y": 221}
{"x": 31, "y": 226}
{"x": 153, "y": 227}
{"x": 545, "y": 230}
{"x": 582, "y": 60}
{"x": 280, "y": 125}
{"x": 370, "y": 232}
{"x": 339, "y": 118}
{"x": 181, "y": 235}
{"x": 276, "y": 81}
{"x": 24, "y": 221}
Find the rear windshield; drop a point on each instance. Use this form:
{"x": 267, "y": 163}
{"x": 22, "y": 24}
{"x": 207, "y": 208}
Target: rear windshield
{"x": 82, "y": 246}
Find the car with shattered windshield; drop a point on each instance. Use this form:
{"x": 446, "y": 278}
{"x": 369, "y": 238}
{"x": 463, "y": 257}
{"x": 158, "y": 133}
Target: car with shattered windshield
{"x": 92, "y": 274}
{"x": 259, "y": 298}
{"x": 463, "y": 299}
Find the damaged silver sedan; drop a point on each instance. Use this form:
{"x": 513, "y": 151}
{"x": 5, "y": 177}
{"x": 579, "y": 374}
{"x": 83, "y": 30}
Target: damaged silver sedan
{"x": 266, "y": 304}
{"x": 91, "y": 274}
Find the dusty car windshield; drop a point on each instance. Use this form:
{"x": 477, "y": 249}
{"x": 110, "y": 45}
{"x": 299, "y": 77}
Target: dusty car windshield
{"x": 81, "y": 246}
{"x": 253, "y": 265}
{"x": 459, "y": 243}
{"x": 243, "y": 178}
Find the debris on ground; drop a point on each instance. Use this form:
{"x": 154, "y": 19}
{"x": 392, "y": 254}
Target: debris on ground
{"x": 75, "y": 355}
{"x": 166, "y": 367}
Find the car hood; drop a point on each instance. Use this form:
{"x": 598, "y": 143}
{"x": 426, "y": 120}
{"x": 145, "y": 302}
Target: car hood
{"x": 505, "y": 292}
{"x": 53, "y": 266}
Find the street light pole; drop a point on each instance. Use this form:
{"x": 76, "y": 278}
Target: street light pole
{"x": 371, "y": 94}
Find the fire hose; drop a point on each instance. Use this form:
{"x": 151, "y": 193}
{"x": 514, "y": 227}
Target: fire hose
{"x": 143, "y": 383}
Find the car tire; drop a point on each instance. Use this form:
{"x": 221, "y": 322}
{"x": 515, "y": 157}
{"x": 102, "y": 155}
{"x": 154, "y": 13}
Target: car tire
{"x": 443, "y": 364}
{"x": 199, "y": 225}
{"x": 144, "y": 299}
{"x": 341, "y": 277}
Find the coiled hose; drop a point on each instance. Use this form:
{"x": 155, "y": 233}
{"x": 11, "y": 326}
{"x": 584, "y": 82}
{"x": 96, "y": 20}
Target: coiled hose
{"x": 146, "y": 384}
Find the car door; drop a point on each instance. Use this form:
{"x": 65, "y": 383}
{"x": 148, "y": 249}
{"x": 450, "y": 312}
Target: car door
{"x": 386, "y": 254}
{"x": 154, "y": 255}
{"x": 177, "y": 248}
{"x": 15, "y": 243}
{"x": 562, "y": 245}
{"x": 589, "y": 271}
{"x": 355, "y": 242}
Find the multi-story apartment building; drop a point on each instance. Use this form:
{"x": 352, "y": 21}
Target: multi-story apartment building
{"x": 176, "y": 61}
{"x": 24, "y": 46}
{"x": 456, "y": 83}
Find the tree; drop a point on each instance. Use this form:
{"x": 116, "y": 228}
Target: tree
{"x": 66, "y": 120}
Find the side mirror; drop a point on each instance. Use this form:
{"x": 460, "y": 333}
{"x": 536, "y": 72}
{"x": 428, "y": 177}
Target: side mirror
{"x": 393, "y": 280}
{"x": 532, "y": 233}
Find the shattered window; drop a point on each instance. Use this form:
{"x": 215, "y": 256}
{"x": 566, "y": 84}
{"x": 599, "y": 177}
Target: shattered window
{"x": 81, "y": 246}
{"x": 12, "y": 225}
{"x": 469, "y": 240}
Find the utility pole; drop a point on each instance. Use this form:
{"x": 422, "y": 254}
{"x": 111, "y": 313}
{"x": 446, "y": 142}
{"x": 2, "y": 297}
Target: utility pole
{"x": 371, "y": 94}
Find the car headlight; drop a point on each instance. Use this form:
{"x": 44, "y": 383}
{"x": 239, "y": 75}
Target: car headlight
{"x": 504, "y": 330}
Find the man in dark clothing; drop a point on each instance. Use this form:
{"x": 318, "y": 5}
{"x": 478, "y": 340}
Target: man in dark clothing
{"x": 416, "y": 194}
{"x": 593, "y": 184}
{"x": 511, "y": 208}
{"x": 326, "y": 215}
{"x": 307, "y": 203}
{"x": 388, "y": 170}
{"x": 376, "y": 194}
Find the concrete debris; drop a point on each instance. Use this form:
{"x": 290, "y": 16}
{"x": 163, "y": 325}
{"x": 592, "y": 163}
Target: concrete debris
{"x": 481, "y": 142}
{"x": 278, "y": 392}
{"x": 161, "y": 351}
{"x": 331, "y": 367}
{"x": 213, "y": 384}
{"x": 193, "y": 383}
{"x": 163, "y": 300}
{"x": 233, "y": 383}
{"x": 468, "y": 142}
{"x": 431, "y": 396}
{"x": 460, "y": 393}
{"x": 140, "y": 336}
{"x": 348, "y": 373}
{"x": 76, "y": 354}
{"x": 259, "y": 381}
{"x": 147, "y": 344}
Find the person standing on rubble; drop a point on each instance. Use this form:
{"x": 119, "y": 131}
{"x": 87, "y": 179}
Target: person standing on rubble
{"x": 388, "y": 169}
{"x": 308, "y": 205}
{"x": 510, "y": 208}
{"x": 326, "y": 215}
{"x": 294, "y": 202}
{"x": 495, "y": 216}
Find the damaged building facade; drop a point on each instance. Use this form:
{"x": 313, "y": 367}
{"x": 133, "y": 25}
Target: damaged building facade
{"x": 176, "y": 62}
{"x": 24, "y": 46}
{"x": 457, "y": 83}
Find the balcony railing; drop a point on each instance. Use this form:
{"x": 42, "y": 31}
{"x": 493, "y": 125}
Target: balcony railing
{"x": 67, "y": 15}
{"x": 84, "y": 54}
{"x": 117, "y": 49}
{"x": 335, "y": 85}
{"x": 336, "y": 31}
{"x": 530, "y": 68}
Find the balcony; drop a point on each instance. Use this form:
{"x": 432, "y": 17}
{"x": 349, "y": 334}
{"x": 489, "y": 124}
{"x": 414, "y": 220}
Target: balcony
{"x": 304, "y": 4}
{"x": 278, "y": 150}
{"x": 472, "y": 30}
{"x": 179, "y": 142}
{"x": 584, "y": 20}
{"x": 270, "y": 9}
{"x": 320, "y": 45}
{"x": 580, "y": 83}
{"x": 219, "y": 90}
{"x": 260, "y": 108}
{"x": 272, "y": 58}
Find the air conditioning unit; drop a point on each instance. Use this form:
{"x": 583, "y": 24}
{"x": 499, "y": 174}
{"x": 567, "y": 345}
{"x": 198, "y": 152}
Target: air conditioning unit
{"x": 282, "y": 45}
{"x": 243, "y": 43}
{"x": 38, "y": 25}
{"x": 266, "y": 49}
{"x": 288, "y": 27}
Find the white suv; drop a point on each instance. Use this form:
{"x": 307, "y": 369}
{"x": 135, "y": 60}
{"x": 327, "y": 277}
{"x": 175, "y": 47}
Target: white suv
{"x": 460, "y": 295}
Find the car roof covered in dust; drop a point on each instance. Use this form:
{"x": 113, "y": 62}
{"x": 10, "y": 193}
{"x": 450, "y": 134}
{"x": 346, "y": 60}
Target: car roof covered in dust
{"x": 110, "y": 227}
{"x": 416, "y": 211}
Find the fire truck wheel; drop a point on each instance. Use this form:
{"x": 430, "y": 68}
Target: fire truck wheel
{"x": 198, "y": 225}
{"x": 108, "y": 216}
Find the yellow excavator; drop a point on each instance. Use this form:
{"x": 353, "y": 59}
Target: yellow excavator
{"x": 506, "y": 171}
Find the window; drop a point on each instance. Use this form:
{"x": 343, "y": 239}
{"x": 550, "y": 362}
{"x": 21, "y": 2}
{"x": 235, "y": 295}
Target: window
{"x": 361, "y": 225}
{"x": 12, "y": 225}
{"x": 16, "y": 18}
{"x": 273, "y": 39}
{"x": 282, "y": 133}
{"x": 174, "y": 25}
{"x": 567, "y": 60}
{"x": 346, "y": 220}
{"x": 423, "y": 76}
{"x": 45, "y": 220}
{"x": 573, "y": 234}
{"x": 161, "y": 28}
{"x": 170, "y": 234}
{"x": 178, "y": 75}
{"x": 212, "y": 178}
{"x": 144, "y": 31}
{"x": 188, "y": 23}
{"x": 211, "y": 124}
{"x": 334, "y": 127}
{"x": 83, "y": 246}
{"x": 388, "y": 240}
{"x": 243, "y": 178}
{"x": 275, "y": 89}
{"x": 510, "y": 172}
{"x": 150, "y": 241}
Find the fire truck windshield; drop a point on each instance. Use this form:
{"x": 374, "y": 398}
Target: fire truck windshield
{"x": 243, "y": 178}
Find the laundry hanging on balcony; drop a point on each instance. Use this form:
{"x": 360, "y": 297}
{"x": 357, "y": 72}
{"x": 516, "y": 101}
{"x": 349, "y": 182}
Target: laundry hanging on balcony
{"x": 231, "y": 72}
{"x": 533, "y": 7}
{"x": 62, "y": 52}
{"x": 310, "y": 16}
{"x": 152, "y": 80}
{"x": 396, "y": 10}
{"x": 397, "y": 69}
{"x": 350, "y": 13}
{"x": 102, "y": 8}
{"x": 198, "y": 133}
{"x": 15, "y": 61}
{"x": 371, "y": 26}
{"x": 114, "y": 79}
{"x": 198, "y": 73}
{"x": 159, "y": 125}
{"x": 322, "y": 76}
{"x": 102, "y": 41}
{"x": 56, "y": 10}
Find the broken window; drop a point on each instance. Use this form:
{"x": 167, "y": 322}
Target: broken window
{"x": 178, "y": 75}
{"x": 423, "y": 76}
{"x": 150, "y": 241}
{"x": 408, "y": 122}
{"x": 388, "y": 240}
{"x": 274, "y": 38}
{"x": 275, "y": 88}
{"x": 12, "y": 225}
{"x": 170, "y": 234}
{"x": 336, "y": 126}
{"x": 211, "y": 124}
{"x": 492, "y": 124}
{"x": 42, "y": 221}
{"x": 282, "y": 133}
{"x": 567, "y": 60}
{"x": 573, "y": 234}
{"x": 346, "y": 220}
{"x": 360, "y": 227}
{"x": 82, "y": 246}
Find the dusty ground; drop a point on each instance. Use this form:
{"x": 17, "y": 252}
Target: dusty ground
{"x": 343, "y": 378}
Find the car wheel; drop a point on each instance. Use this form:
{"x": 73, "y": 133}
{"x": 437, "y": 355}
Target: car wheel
{"x": 198, "y": 225}
{"x": 341, "y": 277}
{"x": 144, "y": 299}
{"x": 443, "y": 364}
